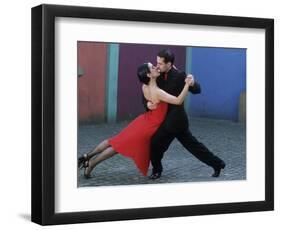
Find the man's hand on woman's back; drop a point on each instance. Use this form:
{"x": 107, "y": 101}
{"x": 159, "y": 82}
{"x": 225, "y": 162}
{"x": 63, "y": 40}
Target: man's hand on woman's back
{"x": 151, "y": 106}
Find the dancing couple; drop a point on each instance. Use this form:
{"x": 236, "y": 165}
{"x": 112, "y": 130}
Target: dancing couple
{"x": 148, "y": 136}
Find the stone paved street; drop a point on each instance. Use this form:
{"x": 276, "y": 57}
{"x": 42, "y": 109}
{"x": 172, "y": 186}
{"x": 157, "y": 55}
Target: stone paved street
{"x": 226, "y": 139}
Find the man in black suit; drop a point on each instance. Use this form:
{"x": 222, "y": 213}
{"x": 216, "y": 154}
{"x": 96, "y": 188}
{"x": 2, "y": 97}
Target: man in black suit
{"x": 176, "y": 123}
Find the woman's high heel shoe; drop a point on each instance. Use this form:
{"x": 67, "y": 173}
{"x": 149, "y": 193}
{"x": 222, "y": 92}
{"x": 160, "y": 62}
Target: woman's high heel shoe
{"x": 86, "y": 166}
{"x": 82, "y": 160}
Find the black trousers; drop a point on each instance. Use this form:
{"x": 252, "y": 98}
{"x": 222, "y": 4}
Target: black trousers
{"x": 162, "y": 139}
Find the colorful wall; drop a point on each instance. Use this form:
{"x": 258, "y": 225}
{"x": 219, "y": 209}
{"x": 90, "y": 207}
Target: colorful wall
{"x": 222, "y": 75}
{"x": 109, "y": 90}
{"x": 129, "y": 88}
{"x": 92, "y": 59}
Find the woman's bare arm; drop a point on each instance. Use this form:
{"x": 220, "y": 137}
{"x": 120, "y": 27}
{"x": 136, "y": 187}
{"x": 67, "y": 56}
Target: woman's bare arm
{"x": 163, "y": 96}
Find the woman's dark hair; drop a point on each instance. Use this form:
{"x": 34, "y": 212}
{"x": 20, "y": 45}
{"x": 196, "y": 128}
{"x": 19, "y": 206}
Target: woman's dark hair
{"x": 143, "y": 70}
{"x": 167, "y": 55}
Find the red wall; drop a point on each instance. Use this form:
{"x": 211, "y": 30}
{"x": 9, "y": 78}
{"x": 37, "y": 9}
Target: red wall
{"x": 92, "y": 58}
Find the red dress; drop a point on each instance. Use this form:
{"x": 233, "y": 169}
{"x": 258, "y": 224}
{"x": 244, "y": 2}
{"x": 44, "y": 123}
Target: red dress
{"x": 134, "y": 140}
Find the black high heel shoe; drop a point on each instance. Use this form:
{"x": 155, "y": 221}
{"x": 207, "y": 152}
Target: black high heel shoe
{"x": 86, "y": 166}
{"x": 82, "y": 160}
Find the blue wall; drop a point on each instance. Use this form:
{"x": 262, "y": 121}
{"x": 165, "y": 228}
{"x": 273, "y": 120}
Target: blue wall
{"x": 222, "y": 75}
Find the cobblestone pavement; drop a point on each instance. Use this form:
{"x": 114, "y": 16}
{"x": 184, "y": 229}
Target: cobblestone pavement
{"x": 225, "y": 139}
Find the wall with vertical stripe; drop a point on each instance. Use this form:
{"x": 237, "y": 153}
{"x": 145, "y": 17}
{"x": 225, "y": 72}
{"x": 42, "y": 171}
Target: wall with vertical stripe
{"x": 109, "y": 90}
{"x": 112, "y": 82}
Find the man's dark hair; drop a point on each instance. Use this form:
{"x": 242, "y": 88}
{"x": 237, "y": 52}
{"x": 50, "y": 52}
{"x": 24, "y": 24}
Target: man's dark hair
{"x": 167, "y": 55}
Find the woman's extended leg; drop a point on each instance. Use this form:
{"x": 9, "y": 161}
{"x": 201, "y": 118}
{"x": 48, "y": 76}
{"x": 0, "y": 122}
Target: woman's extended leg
{"x": 105, "y": 154}
{"x": 99, "y": 148}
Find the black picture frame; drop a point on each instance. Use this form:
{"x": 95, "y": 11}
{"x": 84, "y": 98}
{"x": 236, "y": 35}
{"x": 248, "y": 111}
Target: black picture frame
{"x": 43, "y": 114}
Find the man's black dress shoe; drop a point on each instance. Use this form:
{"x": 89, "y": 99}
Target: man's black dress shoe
{"x": 154, "y": 176}
{"x": 218, "y": 169}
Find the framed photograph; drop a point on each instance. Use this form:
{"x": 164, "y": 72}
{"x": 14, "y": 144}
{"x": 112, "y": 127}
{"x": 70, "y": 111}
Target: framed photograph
{"x": 147, "y": 114}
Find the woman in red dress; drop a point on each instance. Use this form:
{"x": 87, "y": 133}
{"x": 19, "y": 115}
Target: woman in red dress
{"x": 134, "y": 140}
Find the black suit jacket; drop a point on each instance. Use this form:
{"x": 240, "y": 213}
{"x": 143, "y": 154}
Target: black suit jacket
{"x": 176, "y": 119}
